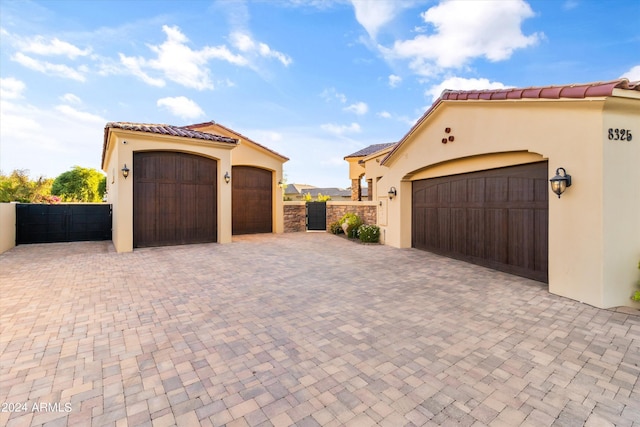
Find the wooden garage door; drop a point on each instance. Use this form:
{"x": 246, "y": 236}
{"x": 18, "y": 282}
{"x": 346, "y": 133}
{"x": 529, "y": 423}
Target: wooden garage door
{"x": 174, "y": 199}
{"x": 496, "y": 218}
{"x": 251, "y": 200}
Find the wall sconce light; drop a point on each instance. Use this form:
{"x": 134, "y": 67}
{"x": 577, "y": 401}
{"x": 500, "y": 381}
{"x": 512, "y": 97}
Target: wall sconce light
{"x": 392, "y": 193}
{"x": 125, "y": 171}
{"x": 559, "y": 183}
{"x": 227, "y": 177}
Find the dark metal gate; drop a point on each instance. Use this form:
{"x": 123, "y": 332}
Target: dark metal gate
{"x": 39, "y": 223}
{"x": 316, "y": 216}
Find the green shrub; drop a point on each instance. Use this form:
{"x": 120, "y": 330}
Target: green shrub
{"x": 636, "y": 295}
{"x": 369, "y": 233}
{"x": 336, "y": 228}
{"x": 353, "y": 222}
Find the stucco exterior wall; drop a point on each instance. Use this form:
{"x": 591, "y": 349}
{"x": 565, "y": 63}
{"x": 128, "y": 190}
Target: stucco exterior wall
{"x": 621, "y": 203}
{"x": 249, "y": 154}
{"x": 7, "y": 226}
{"x": 121, "y": 146}
{"x": 567, "y": 133}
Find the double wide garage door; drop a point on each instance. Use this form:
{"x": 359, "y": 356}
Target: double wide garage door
{"x": 175, "y": 199}
{"x": 497, "y": 218}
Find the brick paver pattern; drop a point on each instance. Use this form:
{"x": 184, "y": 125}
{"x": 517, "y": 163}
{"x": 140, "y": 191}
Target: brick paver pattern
{"x": 300, "y": 329}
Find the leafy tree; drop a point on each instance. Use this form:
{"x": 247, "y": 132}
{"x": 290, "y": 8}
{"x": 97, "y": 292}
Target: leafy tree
{"x": 80, "y": 185}
{"x": 18, "y": 187}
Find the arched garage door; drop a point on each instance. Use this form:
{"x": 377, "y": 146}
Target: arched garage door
{"x": 174, "y": 199}
{"x": 251, "y": 200}
{"x": 497, "y": 218}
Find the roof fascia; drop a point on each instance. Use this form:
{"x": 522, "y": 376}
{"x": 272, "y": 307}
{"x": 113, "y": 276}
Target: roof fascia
{"x": 242, "y": 137}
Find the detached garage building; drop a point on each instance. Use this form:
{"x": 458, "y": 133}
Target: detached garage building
{"x": 471, "y": 181}
{"x": 173, "y": 185}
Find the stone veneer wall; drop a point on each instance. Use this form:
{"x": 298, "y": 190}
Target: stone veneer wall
{"x": 295, "y": 217}
{"x": 367, "y": 211}
{"x": 295, "y": 213}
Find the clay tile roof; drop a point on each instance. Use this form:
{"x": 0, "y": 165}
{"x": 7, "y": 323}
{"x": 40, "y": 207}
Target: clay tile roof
{"x": 584, "y": 90}
{"x": 168, "y": 130}
{"x": 370, "y": 150}
{"x": 576, "y": 91}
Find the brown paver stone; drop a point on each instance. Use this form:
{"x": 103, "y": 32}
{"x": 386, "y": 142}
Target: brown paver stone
{"x": 305, "y": 329}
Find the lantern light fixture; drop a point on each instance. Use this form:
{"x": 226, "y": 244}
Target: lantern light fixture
{"x": 125, "y": 171}
{"x": 227, "y": 177}
{"x": 392, "y": 193}
{"x": 559, "y": 183}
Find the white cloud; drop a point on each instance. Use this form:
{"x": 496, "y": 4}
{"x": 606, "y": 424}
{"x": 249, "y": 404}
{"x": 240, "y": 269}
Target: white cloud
{"x": 134, "y": 65}
{"x": 633, "y": 74}
{"x": 59, "y": 70}
{"x": 82, "y": 116}
{"x": 71, "y": 98}
{"x": 341, "y": 129}
{"x": 331, "y": 94}
{"x": 40, "y": 46}
{"x": 38, "y": 139}
{"x": 465, "y": 30}
{"x": 394, "y": 80}
{"x": 244, "y": 43}
{"x": 460, "y": 83}
{"x": 181, "y": 106}
{"x": 375, "y": 14}
{"x": 402, "y": 119}
{"x": 11, "y": 88}
{"x": 359, "y": 108}
{"x": 179, "y": 63}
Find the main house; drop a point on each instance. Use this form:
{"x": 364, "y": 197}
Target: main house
{"x": 171, "y": 185}
{"x": 470, "y": 180}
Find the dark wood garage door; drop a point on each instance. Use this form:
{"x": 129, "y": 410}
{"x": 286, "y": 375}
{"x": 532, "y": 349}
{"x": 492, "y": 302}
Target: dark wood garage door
{"x": 497, "y": 218}
{"x": 251, "y": 200}
{"x": 174, "y": 199}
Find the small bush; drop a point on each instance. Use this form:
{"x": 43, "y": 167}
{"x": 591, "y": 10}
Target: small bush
{"x": 336, "y": 228}
{"x": 353, "y": 222}
{"x": 636, "y": 294}
{"x": 369, "y": 233}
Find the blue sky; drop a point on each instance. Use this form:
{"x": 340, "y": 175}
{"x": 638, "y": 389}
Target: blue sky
{"x": 313, "y": 80}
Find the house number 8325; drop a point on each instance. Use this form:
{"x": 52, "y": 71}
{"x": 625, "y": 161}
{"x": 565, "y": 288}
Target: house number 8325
{"x": 620, "y": 134}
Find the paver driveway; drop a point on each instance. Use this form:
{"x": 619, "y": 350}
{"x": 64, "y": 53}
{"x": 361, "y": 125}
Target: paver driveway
{"x": 304, "y": 329}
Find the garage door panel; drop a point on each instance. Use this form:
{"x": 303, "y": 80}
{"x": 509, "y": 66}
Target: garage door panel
{"x": 172, "y": 205}
{"x": 521, "y": 189}
{"x": 252, "y": 200}
{"x": 497, "y": 218}
{"x": 495, "y": 235}
{"x": 521, "y": 238}
{"x": 541, "y": 232}
{"x": 458, "y": 191}
{"x": 541, "y": 190}
{"x": 476, "y": 229}
{"x": 496, "y": 189}
{"x": 459, "y": 230}
{"x": 475, "y": 190}
{"x": 444, "y": 228}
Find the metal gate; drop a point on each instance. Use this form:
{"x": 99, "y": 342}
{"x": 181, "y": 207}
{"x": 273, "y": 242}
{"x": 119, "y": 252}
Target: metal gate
{"x": 316, "y": 216}
{"x": 39, "y": 223}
